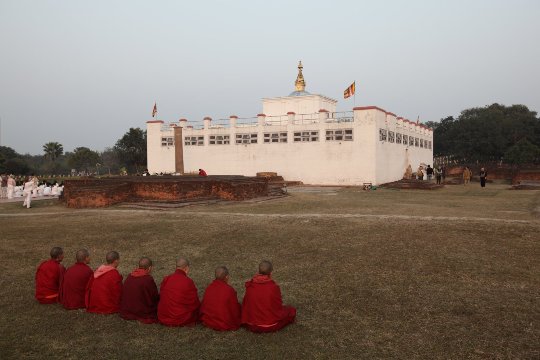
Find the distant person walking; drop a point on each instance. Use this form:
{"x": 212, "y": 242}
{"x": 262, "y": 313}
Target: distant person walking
{"x": 429, "y": 172}
{"x": 27, "y": 192}
{"x": 420, "y": 173}
{"x": 10, "y": 186}
{"x": 466, "y": 175}
{"x": 443, "y": 173}
{"x": 438, "y": 174}
{"x": 483, "y": 175}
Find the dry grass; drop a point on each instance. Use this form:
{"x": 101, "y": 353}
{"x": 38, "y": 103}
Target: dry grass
{"x": 449, "y": 286}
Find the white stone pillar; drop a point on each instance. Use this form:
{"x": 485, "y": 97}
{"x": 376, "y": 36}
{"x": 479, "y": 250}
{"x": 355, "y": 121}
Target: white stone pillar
{"x": 290, "y": 117}
{"x": 232, "y": 121}
{"x": 323, "y": 115}
{"x": 261, "y": 119}
{"x": 207, "y": 121}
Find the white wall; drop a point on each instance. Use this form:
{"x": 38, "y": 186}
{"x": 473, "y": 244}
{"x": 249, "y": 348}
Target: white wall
{"x": 160, "y": 158}
{"x": 365, "y": 159}
{"x": 308, "y": 104}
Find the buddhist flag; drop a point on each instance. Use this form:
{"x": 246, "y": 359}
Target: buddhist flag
{"x": 349, "y": 91}
{"x": 154, "y": 111}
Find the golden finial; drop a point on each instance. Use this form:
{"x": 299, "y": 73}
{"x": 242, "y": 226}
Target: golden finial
{"x": 300, "y": 84}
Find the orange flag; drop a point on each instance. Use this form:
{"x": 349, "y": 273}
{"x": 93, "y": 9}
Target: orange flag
{"x": 349, "y": 91}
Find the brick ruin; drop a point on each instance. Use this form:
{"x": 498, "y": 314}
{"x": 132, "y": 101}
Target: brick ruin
{"x": 101, "y": 192}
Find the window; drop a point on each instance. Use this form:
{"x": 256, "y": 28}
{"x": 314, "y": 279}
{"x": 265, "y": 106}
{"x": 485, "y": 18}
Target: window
{"x": 421, "y": 143}
{"x": 194, "y": 140}
{"x": 306, "y": 136}
{"x": 429, "y": 144}
{"x": 275, "y": 137}
{"x": 219, "y": 140}
{"x": 398, "y": 138}
{"x": 416, "y": 142}
{"x": 391, "y": 136}
{"x": 405, "y": 140}
{"x": 339, "y": 135}
{"x": 382, "y": 134}
{"x": 246, "y": 138}
{"x": 411, "y": 141}
{"x": 167, "y": 141}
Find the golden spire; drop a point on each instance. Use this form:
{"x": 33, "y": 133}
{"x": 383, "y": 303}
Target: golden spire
{"x": 300, "y": 84}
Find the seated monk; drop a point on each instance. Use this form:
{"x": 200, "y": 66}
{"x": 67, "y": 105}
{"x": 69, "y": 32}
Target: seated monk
{"x": 76, "y": 277}
{"x": 48, "y": 277}
{"x": 202, "y": 172}
{"x": 220, "y": 309}
{"x": 140, "y": 294}
{"x": 262, "y": 307}
{"x": 179, "y": 302}
{"x": 104, "y": 289}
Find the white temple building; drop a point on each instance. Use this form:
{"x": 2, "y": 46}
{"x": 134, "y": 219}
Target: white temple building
{"x": 300, "y": 137}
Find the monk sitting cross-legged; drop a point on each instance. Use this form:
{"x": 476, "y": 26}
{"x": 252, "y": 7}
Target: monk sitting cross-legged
{"x": 262, "y": 308}
{"x": 48, "y": 277}
{"x": 140, "y": 294}
{"x": 220, "y": 309}
{"x": 74, "y": 283}
{"x": 105, "y": 287}
{"x": 179, "y": 302}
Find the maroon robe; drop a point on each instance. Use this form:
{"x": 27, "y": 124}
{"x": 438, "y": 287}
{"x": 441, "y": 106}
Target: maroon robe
{"x": 262, "y": 307}
{"x": 139, "y": 297}
{"x": 104, "y": 290}
{"x": 220, "y": 309}
{"x": 48, "y": 277}
{"x": 73, "y": 287}
{"x": 179, "y": 302}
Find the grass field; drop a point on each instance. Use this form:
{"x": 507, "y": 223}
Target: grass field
{"x": 448, "y": 274}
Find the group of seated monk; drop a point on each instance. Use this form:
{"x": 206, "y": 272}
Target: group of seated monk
{"x": 176, "y": 304}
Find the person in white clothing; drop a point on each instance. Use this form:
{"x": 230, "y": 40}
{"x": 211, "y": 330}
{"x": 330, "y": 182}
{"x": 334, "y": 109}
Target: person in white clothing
{"x": 27, "y": 192}
{"x": 10, "y": 186}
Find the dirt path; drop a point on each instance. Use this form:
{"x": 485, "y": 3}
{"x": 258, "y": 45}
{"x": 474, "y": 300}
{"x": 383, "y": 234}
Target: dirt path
{"x": 292, "y": 216}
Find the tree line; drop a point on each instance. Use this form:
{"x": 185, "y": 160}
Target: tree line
{"x": 493, "y": 133}
{"x": 128, "y": 154}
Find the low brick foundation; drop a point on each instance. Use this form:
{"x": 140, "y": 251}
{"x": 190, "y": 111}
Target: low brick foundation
{"x": 93, "y": 192}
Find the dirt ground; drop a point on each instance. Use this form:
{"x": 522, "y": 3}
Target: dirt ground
{"x": 447, "y": 274}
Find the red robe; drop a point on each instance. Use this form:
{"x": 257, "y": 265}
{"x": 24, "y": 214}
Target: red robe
{"x": 48, "y": 277}
{"x": 179, "y": 302}
{"x": 73, "y": 287}
{"x": 220, "y": 309}
{"x": 262, "y": 307}
{"x": 139, "y": 297}
{"x": 202, "y": 173}
{"x": 104, "y": 290}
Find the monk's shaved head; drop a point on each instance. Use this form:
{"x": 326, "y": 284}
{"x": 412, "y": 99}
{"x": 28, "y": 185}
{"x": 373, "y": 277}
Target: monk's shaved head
{"x": 265, "y": 267}
{"x": 182, "y": 263}
{"x": 222, "y": 272}
{"x": 81, "y": 255}
{"x": 145, "y": 263}
{"x": 56, "y": 252}
{"x": 112, "y": 256}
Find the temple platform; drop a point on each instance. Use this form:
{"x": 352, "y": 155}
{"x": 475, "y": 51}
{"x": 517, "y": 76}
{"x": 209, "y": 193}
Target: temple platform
{"x": 101, "y": 192}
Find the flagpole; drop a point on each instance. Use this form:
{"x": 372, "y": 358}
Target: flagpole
{"x": 354, "y": 100}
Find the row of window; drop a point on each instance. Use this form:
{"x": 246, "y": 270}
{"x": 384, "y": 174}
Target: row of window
{"x": 398, "y": 138}
{"x": 268, "y": 138}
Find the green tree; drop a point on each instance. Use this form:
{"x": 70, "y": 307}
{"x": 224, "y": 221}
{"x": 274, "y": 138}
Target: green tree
{"x": 82, "y": 158}
{"x": 486, "y": 133}
{"x": 131, "y": 149}
{"x": 523, "y": 152}
{"x": 53, "y": 150}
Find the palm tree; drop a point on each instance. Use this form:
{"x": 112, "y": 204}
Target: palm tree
{"x": 53, "y": 150}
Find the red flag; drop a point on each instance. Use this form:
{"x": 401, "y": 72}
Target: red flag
{"x": 154, "y": 111}
{"x": 349, "y": 91}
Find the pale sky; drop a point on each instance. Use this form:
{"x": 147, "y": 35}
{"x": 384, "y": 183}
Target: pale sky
{"x": 83, "y": 72}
